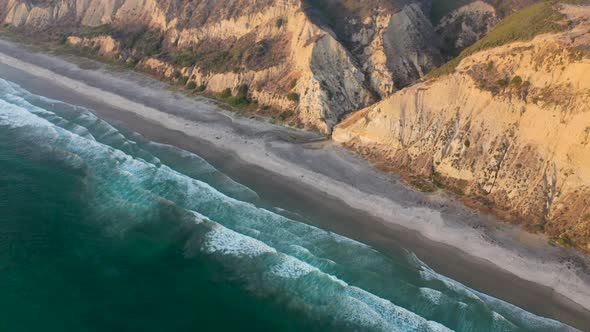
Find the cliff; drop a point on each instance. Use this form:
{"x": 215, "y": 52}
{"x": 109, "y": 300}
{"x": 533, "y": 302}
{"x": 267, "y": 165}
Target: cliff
{"x": 312, "y": 61}
{"x": 508, "y": 128}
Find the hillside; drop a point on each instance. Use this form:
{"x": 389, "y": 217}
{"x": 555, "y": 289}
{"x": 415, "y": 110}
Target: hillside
{"x": 506, "y": 126}
{"x": 308, "y": 63}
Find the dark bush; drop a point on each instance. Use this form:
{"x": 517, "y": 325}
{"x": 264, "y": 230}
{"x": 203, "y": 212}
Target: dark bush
{"x": 243, "y": 90}
{"x": 286, "y": 115}
{"x": 145, "y": 41}
{"x": 90, "y": 32}
{"x": 226, "y": 93}
{"x": 503, "y": 83}
{"x": 184, "y": 58}
{"x": 516, "y": 80}
{"x": 239, "y": 101}
{"x": 293, "y": 96}
{"x": 241, "y": 98}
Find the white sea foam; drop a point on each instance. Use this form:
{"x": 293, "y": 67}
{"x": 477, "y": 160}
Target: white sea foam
{"x": 501, "y": 308}
{"x": 227, "y": 242}
{"x": 435, "y": 297}
{"x": 292, "y": 268}
{"x": 17, "y": 117}
{"x": 358, "y": 312}
{"x": 395, "y": 316}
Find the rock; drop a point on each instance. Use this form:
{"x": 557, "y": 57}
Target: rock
{"x": 466, "y": 25}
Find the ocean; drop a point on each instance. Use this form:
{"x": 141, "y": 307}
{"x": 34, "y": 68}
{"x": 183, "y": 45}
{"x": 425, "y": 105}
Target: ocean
{"x": 104, "y": 230}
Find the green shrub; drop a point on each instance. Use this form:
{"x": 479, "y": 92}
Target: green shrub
{"x": 101, "y": 30}
{"x": 239, "y": 101}
{"x": 280, "y": 22}
{"x": 243, "y": 90}
{"x": 293, "y": 96}
{"x": 241, "y": 98}
{"x": 565, "y": 241}
{"x": 516, "y": 81}
{"x": 184, "y": 58}
{"x": 226, "y": 93}
{"x": 191, "y": 85}
{"x": 467, "y": 143}
{"x": 438, "y": 183}
{"x": 183, "y": 80}
{"x": 176, "y": 74}
{"x": 145, "y": 41}
{"x": 149, "y": 43}
{"x": 458, "y": 191}
{"x": 201, "y": 88}
{"x": 502, "y": 83}
{"x": 293, "y": 84}
{"x": 286, "y": 115}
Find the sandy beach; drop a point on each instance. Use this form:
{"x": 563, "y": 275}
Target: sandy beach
{"x": 329, "y": 186}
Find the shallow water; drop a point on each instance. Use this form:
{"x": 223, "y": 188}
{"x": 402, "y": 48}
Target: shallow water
{"x": 103, "y": 230}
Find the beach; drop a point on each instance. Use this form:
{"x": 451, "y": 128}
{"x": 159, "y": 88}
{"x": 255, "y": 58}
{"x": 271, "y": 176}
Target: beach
{"x": 330, "y": 187}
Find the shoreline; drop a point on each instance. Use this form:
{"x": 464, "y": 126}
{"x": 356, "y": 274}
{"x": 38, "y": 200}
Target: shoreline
{"x": 321, "y": 174}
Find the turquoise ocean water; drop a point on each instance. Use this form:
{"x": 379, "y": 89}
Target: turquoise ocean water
{"x": 102, "y": 231}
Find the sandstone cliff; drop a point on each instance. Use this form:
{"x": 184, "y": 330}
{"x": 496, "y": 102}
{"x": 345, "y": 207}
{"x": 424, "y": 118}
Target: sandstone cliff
{"x": 313, "y": 60}
{"x": 510, "y": 128}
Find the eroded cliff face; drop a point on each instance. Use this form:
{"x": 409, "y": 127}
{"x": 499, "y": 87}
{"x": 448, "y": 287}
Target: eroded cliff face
{"x": 286, "y": 61}
{"x": 315, "y": 61}
{"x": 466, "y": 25}
{"x": 510, "y": 128}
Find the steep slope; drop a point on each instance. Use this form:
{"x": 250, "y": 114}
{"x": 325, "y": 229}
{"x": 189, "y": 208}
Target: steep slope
{"x": 509, "y": 127}
{"x": 393, "y": 40}
{"x": 267, "y": 48}
{"x": 314, "y": 61}
{"x": 288, "y": 53}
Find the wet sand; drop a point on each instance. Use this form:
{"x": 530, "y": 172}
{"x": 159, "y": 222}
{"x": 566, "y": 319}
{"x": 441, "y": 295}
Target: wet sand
{"x": 327, "y": 185}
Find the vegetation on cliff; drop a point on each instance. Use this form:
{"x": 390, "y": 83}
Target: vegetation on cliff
{"x": 523, "y": 25}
